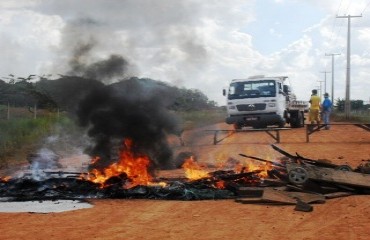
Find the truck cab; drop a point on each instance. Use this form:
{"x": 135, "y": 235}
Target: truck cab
{"x": 258, "y": 101}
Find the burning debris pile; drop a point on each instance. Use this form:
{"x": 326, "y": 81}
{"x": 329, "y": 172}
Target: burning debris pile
{"x": 129, "y": 124}
{"x": 130, "y": 178}
{"x": 308, "y": 181}
{"x": 290, "y": 180}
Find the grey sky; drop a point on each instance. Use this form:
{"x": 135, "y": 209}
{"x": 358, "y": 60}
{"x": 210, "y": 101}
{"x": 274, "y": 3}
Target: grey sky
{"x": 199, "y": 44}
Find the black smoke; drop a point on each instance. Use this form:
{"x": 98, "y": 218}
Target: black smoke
{"x": 113, "y": 67}
{"x": 106, "y": 70}
{"x": 135, "y": 109}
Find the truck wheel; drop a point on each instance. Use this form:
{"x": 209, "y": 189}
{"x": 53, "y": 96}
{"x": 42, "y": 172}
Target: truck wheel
{"x": 297, "y": 120}
{"x": 281, "y": 124}
{"x": 237, "y": 126}
{"x": 259, "y": 126}
{"x": 301, "y": 114}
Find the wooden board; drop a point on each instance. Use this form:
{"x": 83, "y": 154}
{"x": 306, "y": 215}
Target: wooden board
{"x": 273, "y": 196}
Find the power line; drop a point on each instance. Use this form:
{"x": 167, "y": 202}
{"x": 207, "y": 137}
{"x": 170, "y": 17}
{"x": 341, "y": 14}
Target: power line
{"x": 334, "y": 35}
{"x": 349, "y": 5}
{"x": 340, "y": 4}
{"x": 367, "y": 5}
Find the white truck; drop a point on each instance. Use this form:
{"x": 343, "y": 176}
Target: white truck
{"x": 260, "y": 101}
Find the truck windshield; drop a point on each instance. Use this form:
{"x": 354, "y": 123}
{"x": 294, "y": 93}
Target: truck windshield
{"x": 252, "y": 89}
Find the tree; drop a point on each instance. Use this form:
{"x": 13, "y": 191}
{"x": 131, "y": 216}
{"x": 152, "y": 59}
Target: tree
{"x": 355, "y": 105}
{"x": 66, "y": 92}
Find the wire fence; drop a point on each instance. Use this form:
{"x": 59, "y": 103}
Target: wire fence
{"x": 10, "y": 111}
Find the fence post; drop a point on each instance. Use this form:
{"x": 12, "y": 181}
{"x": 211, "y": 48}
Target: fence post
{"x": 34, "y": 111}
{"x": 8, "y": 112}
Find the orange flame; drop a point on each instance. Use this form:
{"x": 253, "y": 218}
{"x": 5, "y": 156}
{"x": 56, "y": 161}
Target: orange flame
{"x": 5, "y": 179}
{"x": 134, "y": 167}
{"x": 263, "y": 168}
{"x": 220, "y": 184}
{"x": 193, "y": 170}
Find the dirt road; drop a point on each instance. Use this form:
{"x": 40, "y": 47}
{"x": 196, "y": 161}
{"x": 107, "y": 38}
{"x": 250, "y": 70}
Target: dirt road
{"x": 341, "y": 218}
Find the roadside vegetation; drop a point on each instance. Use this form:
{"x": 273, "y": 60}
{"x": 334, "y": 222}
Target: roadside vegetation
{"x": 355, "y": 117}
{"x": 197, "y": 118}
{"x": 360, "y": 112}
{"x": 33, "y": 112}
{"x": 23, "y": 133}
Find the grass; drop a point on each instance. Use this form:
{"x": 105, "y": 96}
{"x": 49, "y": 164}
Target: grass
{"x": 19, "y": 136}
{"x": 194, "y": 119}
{"x": 363, "y": 117}
{"x": 23, "y": 134}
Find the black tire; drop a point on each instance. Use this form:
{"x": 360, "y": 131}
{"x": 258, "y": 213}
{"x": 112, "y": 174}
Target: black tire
{"x": 237, "y": 126}
{"x": 281, "y": 124}
{"x": 259, "y": 126}
{"x": 297, "y": 120}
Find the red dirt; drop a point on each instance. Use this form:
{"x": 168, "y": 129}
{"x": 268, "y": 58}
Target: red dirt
{"x": 341, "y": 218}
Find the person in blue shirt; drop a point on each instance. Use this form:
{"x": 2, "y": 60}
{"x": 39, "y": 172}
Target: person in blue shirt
{"x": 327, "y": 106}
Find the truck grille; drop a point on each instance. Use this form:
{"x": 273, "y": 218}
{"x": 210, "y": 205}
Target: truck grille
{"x": 251, "y": 107}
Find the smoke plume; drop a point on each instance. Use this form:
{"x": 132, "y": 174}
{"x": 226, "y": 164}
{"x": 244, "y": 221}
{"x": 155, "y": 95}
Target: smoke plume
{"x": 135, "y": 109}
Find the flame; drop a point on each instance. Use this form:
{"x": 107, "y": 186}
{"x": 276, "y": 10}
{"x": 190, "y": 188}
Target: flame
{"x": 193, "y": 170}
{"x": 95, "y": 160}
{"x": 220, "y": 184}
{"x": 133, "y": 169}
{"x": 263, "y": 168}
{"x": 132, "y": 166}
{"x": 5, "y": 179}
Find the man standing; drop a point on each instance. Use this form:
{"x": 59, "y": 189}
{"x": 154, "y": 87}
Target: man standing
{"x": 314, "y": 115}
{"x": 326, "y": 110}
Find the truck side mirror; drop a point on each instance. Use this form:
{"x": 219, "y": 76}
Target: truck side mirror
{"x": 287, "y": 89}
{"x": 224, "y": 92}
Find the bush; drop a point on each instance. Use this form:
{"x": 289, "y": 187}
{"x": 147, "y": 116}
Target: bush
{"x": 22, "y": 135}
{"x": 359, "y": 117}
{"x": 194, "y": 119}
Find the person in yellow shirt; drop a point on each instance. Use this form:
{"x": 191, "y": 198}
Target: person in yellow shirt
{"x": 315, "y": 101}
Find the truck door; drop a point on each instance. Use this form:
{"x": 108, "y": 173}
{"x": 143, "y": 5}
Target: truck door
{"x": 281, "y": 99}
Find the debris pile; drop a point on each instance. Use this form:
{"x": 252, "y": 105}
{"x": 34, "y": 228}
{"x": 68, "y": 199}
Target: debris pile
{"x": 293, "y": 179}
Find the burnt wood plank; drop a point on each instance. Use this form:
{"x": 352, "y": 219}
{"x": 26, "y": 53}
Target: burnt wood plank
{"x": 270, "y": 196}
{"x": 337, "y": 194}
{"x": 276, "y": 196}
{"x": 250, "y": 191}
{"x": 307, "y": 197}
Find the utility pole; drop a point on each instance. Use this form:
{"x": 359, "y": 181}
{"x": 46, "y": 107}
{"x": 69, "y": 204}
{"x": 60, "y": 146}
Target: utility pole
{"x": 325, "y": 80}
{"x": 320, "y": 89}
{"x": 347, "y": 104}
{"x": 332, "y": 73}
